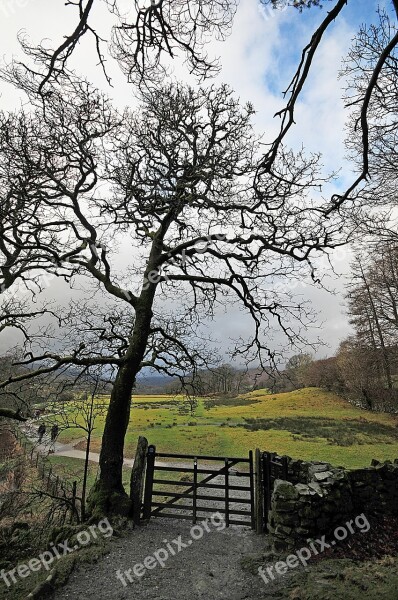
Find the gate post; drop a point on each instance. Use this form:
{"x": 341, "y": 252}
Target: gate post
{"x": 226, "y": 491}
{"x": 285, "y": 467}
{"x": 259, "y": 493}
{"x": 150, "y": 468}
{"x": 137, "y": 478}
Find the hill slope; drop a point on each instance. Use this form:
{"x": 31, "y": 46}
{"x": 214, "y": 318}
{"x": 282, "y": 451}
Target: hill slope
{"x": 310, "y": 424}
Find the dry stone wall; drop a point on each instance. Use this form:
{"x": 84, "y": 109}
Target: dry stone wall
{"x": 319, "y": 497}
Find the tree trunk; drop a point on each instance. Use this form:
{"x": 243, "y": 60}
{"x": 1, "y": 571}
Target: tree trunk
{"x": 87, "y": 457}
{"x": 108, "y": 495}
{"x": 384, "y": 351}
{"x": 111, "y": 458}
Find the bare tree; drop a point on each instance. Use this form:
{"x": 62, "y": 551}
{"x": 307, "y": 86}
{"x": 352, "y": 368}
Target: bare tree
{"x": 173, "y": 181}
{"x": 373, "y": 304}
{"x": 324, "y": 373}
{"x": 151, "y": 36}
{"x": 81, "y": 413}
{"x": 296, "y": 369}
{"x": 209, "y": 218}
{"x": 374, "y": 215}
{"x": 366, "y": 317}
{"x": 357, "y": 366}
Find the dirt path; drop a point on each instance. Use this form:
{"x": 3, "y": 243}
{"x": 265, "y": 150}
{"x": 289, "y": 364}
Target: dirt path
{"x": 70, "y": 450}
{"x": 207, "y": 568}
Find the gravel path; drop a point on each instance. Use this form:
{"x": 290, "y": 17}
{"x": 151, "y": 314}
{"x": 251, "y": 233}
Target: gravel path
{"x": 208, "y": 567}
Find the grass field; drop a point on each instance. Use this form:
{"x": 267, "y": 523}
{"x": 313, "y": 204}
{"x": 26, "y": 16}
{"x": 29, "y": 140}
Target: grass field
{"x": 310, "y": 424}
{"x": 71, "y": 469}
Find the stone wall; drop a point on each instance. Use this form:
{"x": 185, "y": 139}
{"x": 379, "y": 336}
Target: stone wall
{"x": 318, "y": 498}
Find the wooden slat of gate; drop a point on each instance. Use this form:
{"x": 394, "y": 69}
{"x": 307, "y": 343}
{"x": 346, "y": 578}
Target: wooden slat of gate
{"x": 202, "y": 457}
{"x": 214, "y": 486}
{"x": 200, "y": 497}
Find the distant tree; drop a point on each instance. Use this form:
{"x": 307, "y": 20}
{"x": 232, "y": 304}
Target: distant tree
{"x": 192, "y": 402}
{"x": 358, "y": 367}
{"x": 296, "y": 369}
{"x": 223, "y": 379}
{"x": 324, "y": 373}
{"x": 373, "y": 306}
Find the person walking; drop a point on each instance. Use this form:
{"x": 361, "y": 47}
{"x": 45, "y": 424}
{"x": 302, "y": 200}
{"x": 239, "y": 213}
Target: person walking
{"x": 41, "y": 431}
{"x": 54, "y": 432}
{"x": 53, "y": 435}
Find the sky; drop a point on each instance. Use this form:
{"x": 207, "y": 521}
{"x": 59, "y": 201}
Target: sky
{"x": 258, "y": 60}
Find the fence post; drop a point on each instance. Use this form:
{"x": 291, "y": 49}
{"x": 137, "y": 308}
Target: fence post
{"x": 137, "y": 478}
{"x": 195, "y": 489}
{"x": 150, "y": 468}
{"x": 266, "y": 459}
{"x": 74, "y": 495}
{"x": 259, "y": 493}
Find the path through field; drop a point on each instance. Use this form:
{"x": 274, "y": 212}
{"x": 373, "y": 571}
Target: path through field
{"x": 207, "y": 568}
{"x": 70, "y": 450}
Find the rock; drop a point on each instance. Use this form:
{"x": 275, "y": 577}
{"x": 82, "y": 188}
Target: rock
{"x": 323, "y": 476}
{"x": 316, "y": 487}
{"x": 285, "y": 490}
{"x": 303, "y": 489}
{"x": 318, "y": 468}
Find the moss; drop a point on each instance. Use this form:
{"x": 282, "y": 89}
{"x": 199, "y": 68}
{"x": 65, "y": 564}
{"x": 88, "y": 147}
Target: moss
{"x": 347, "y": 580}
{"x": 66, "y": 532}
{"x": 42, "y": 584}
{"x": 285, "y": 490}
{"x": 104, "y": 502}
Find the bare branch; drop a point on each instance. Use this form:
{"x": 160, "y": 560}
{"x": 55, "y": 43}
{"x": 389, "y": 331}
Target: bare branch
{"x": 7, "y": 413}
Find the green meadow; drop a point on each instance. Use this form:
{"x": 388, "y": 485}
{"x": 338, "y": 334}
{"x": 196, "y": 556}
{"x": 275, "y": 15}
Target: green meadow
{"x": 310, "y": 424}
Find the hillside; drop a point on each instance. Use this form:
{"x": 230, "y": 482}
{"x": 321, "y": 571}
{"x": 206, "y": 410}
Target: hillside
{"x": 310, "y": 424}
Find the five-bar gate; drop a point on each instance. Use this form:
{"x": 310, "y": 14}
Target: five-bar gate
{"x": 227, "y": 488}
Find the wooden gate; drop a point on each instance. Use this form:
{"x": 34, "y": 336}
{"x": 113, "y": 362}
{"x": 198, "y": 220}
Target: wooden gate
{"x": 200, "y": 489}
